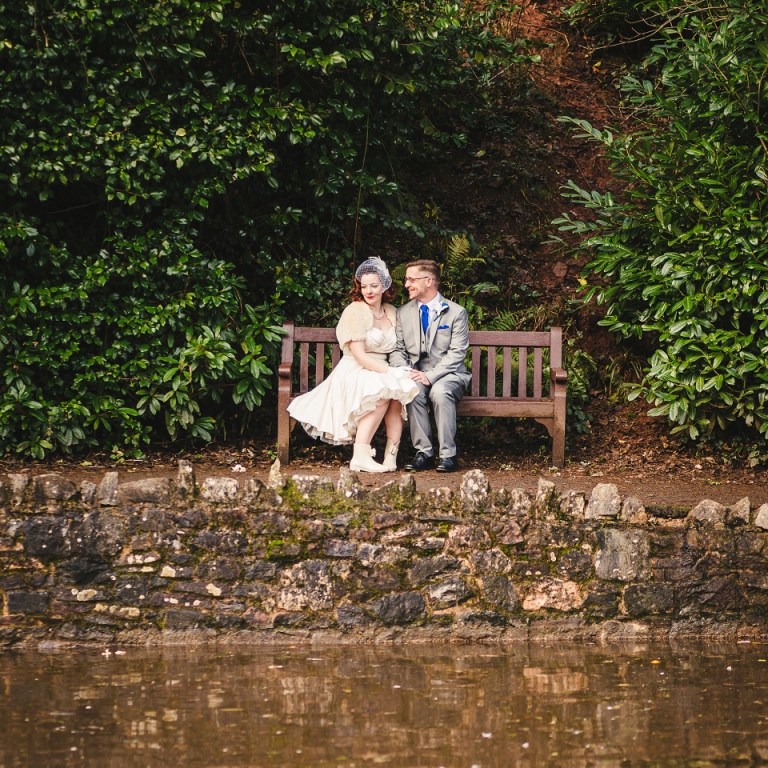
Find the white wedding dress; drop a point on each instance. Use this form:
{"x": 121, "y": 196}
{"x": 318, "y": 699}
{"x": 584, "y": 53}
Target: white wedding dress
{"x": 332, "y": 410}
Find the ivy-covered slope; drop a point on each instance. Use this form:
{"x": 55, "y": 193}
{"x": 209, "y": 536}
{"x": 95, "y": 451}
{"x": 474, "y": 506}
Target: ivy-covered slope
{"x": 177, "y": 177}
{"x": 681, "y": 256}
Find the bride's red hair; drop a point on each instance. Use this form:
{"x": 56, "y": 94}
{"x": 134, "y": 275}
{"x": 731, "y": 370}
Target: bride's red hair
{"x": 356, "y": 293}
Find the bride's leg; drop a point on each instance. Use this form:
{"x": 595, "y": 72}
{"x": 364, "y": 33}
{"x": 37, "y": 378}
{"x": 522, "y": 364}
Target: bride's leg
{"x": 393, "y": 420}
{"x": 367, "y": 426}
{"x": 362, "y": 461}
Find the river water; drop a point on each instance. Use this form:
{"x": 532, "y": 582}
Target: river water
{"x": 463, "y": 706}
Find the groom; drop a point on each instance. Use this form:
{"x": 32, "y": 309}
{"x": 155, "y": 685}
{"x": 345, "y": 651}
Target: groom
{"x": 432, "y": 340}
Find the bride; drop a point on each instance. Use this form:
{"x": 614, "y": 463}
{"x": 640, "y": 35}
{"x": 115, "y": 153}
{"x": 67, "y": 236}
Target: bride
{"x": 362, "y": 389}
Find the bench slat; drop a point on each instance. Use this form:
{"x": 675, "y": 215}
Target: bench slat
{"x": 335, "y": 355}
{"x": 315, "y": 334}
{"x": 491, "y": 386}
{"x": 319, "y": 363}
{"x": 537, "y": 366}
{"x": 522, "y": 371}
{"x": 304, "y": 369}
{"x": 506, "y": 380}
{"x": 482, "y": 406}
{"x": 476, "y": 371}
{"x": 510, "y": 338}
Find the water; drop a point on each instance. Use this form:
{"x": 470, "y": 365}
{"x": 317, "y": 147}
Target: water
{"x": 462, "y": 706}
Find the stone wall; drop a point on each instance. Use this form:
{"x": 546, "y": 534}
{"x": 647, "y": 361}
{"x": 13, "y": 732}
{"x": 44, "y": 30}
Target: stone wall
{"x": 169, "y": 560}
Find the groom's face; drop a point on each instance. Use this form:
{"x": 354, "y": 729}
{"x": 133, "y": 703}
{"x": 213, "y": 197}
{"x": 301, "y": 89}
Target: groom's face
{"x": 419, "y": 284}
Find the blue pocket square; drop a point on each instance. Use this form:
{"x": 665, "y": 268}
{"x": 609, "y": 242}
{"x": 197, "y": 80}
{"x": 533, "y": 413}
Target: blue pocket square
{"x": 440, "y": 327}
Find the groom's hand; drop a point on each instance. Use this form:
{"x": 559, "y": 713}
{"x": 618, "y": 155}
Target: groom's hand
{"x": 420, "y": 377}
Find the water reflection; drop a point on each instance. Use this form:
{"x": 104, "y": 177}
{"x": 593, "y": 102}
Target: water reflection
{"x": 462, "y": 706}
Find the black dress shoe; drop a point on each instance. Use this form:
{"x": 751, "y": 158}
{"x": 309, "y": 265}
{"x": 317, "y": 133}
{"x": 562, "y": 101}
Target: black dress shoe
{"x": 448, "y": 465}
{"x": 420, "y": 462}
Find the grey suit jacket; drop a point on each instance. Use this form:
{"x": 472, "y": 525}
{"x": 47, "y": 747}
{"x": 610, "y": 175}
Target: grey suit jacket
{"x": 447, "y": 341}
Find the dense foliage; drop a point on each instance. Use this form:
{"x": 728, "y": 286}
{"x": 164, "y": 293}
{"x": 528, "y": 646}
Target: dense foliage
{"x": 178, "y": 176}
{"x": 681, "y": 255}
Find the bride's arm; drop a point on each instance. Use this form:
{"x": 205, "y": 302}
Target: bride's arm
{"x": 364, "y": 360}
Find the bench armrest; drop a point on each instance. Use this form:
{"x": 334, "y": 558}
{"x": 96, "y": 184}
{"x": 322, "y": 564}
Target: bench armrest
{"x": 285, "y": 370}
{"x": 558, "y": 375}
{"x": 557, "y": 381}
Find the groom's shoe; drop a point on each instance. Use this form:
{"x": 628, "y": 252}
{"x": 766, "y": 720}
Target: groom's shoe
{"x": 449, "y": 464}
{"x": 420, "y": 462}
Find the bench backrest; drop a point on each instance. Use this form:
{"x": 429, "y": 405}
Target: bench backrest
{"x": 488, "y": 344}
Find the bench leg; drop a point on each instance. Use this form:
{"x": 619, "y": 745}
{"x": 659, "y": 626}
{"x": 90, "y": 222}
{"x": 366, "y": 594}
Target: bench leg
{"x": 558, "y": 430}
{"x": 283, "y": 434}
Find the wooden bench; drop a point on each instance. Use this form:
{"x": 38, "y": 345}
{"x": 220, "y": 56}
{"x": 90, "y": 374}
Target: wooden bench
{"x": 527, "y": 399}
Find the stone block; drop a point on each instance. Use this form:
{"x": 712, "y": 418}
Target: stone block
{"x": 252, "y": 490}
{"x": 108, "y": 490}
{"x": 18, "y": 483}
{"x": 407, "y": 485}
{"x": 152, "y": 490}
{"x": 622, "y": 555}
{"x": 519, "y": 503}
{"x": 306, "y": 585}
{"x": 575, "y": 564}
{"x": 738, "y": 514}
{"x": 466, "y": 538}
{"x": 473, "y": 618}
{"x": 46, "y": 537}
{"x": 340, "y": 548}
{"x": 438, "y": 498}
{"x": 475, "y": 490}
{"x": 546, "y": 499}
{"x": 186, "y": 481}
{"x": 448, "y": 593}
{"x": 351, "y": 616}
{"x": 53, "y": 487}
{"x": 220, "y": 569}
{"x": 308, "y": 485}
{"x": 430, "y": 568}
{"x": 499, "y": 591}
{"x": 633, "y": 511}
{"x": 27, "y": 602}
{"x": 489, "y": 562}
{"x": 153, "y": 519}
{"x": 88, "y": 492}
{"x": 708, "y": 512}
{"x": 761, "y": 518}
{"x": 101, "y": 534}
{"x": 553, "y": 594}
{"x": 275, "y": 480}
{"x": 572, "y": 504}
{"x": 349, "y": 484}
{"x": 645, "y": 599}
{"x": 604, "y": 501}
{"x": 402, "y": 608}
{"x": 220, "y": 490}
{"x": 178, "y": 618}
{"x": 80, "y": 570}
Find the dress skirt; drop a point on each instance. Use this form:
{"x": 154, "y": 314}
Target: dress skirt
{"x": 333, "y": 409}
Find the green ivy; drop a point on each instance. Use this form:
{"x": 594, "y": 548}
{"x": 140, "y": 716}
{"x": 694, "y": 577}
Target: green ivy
{"x": 178, "y": 177}
{"x": 680, "y": 257}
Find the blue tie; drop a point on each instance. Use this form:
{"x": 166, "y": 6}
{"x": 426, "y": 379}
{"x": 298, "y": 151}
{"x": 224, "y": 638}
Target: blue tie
{"x": 424, "y": 318}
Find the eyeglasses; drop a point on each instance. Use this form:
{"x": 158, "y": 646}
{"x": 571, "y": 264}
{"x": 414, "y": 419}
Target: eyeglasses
{"x": 411, "y": 279}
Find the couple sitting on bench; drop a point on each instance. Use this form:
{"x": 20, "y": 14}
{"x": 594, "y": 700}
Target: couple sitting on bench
{"x": 396, "y": 362}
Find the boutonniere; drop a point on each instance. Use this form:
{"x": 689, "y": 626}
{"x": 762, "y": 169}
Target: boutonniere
{"x": 443, "y": 307}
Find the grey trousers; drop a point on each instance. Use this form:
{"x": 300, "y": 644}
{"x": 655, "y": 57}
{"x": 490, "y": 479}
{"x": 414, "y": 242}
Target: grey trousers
{"x": 443, "y": 396}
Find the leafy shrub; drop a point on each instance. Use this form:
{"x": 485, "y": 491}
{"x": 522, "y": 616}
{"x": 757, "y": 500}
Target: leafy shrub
{"x": 681, "y": 256}
{"x": 179, "y": 177}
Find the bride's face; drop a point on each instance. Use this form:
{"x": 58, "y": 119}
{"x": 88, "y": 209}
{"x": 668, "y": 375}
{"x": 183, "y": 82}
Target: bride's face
{"x": 372, "y": 289}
